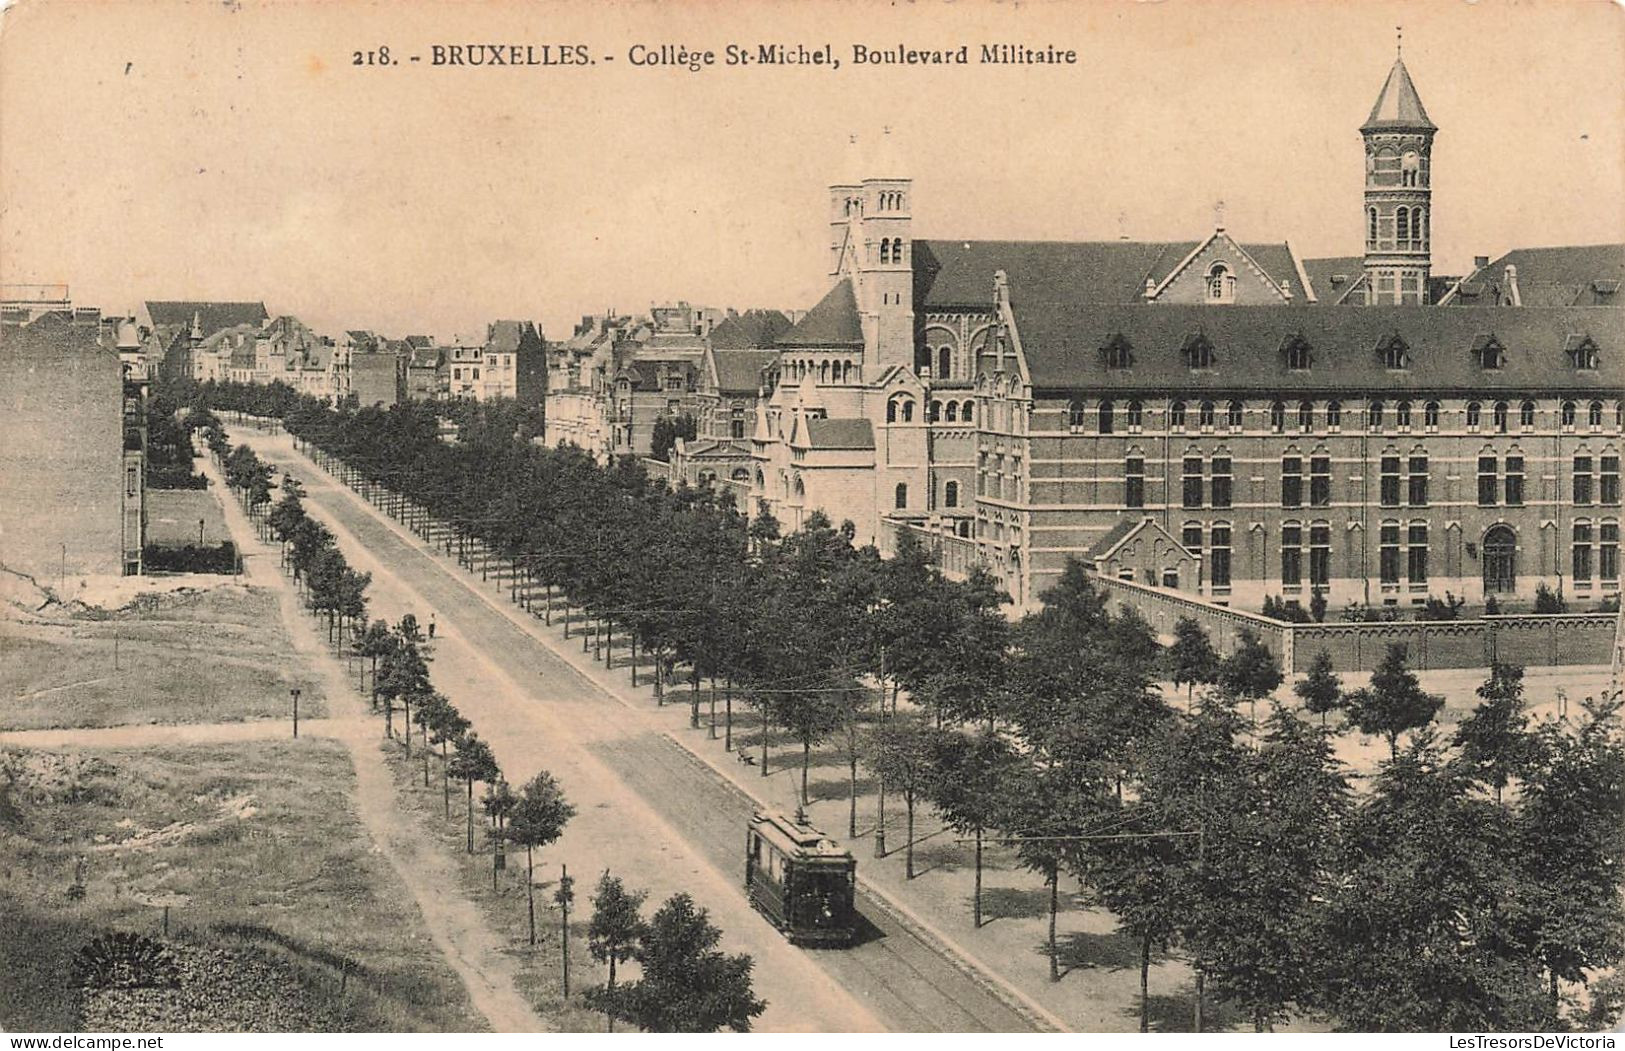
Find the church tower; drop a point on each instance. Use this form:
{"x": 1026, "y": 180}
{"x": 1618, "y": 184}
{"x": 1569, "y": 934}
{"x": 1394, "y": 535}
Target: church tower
{"x": 884, "y": 243}
{"x": 1398, "y": 193}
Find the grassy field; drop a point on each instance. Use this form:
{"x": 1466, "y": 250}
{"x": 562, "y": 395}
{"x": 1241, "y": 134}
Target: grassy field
{"x": 216, "y": 654}
{"x": 280, "y": 914}
{"x": 173, "y": 514}
{"x": 541, "y": 967}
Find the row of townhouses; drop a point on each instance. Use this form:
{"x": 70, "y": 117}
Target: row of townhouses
{"x": 1218, "y": 416}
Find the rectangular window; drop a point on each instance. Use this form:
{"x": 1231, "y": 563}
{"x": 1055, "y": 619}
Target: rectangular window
{"x": 1320, "y": 555}
{"x": 1320, "y": 481}
{"x": 1610, "y": 481}
{"x": 1418, "y": 482}
{"x": 1219, "y": 557}
{"x": 1193, "y": 481}
{"x": 1222, "y": 484}
{"x": 1292, "y": 481}
{"x": 1514, "y": 478}
{"x": 1417, "y": 553}
{"x": 1388, "y": 562}
{"x": 1608, "y": 553}
{"x": 1191, "y": 537}
{"x": 1291, "y": 555}
{"x": 1582, "y": 480}
{"x": 1486, "y": 481}
{"x": 1134, "y": 483}
{"x": 1582, "y": 551}
{"x": 1390, "y": 481}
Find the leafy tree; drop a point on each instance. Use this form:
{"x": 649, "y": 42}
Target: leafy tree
{"x": 900, "y": 751}
{"x": 1395, "y": 701}
{"x": 499, "y": 802}
{"x": 688, "y": 985}
{"x": 1321, "y": 690}
{"x": 537, "y": 819}
{"x": 617, "y": 926}
{"x": 1252, "y": 671}
{"x": 473, "y": 761}
{"x": 973, "y": 775}
{"x": 1192, "y": 660}
{"x": 1494, "y": 741}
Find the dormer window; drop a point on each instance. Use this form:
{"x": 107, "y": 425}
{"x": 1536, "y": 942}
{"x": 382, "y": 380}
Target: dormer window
{"x": 1297, "y": 352}
{"x": 1491, "y": 354}
{"x": 1394, "y": 353}
{"x": 1221, "y": 284}
{"x": 1198, "y": 352}
{"x": 1119, "y": 352}
{"x": 1582, "y": 351}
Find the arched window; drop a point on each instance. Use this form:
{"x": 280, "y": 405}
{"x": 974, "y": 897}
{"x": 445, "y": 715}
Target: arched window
{"x": 1498, "y": 417}
{"x": 823, "y": 372}
{"x": 1526, "y": 415}
{"x": 933, "y": 412}
{"x": 950, "y": 494}
{"x": 945, "y": 362}
{"x": 1567, "y": 415}
{"x": 1402, "y": 415}
{"x": 1221, "y": 286}
{"x": 891, "y": 411}
{"x": 1233, "y": 415}
{"x": 1277, "y": 417}
{"x": 953, "y": 412}
{"x": 1430, "y": 416}
{"x": 740, "y": 474}
{"x": 1075, "y": 413}
{"x": 897, "y": 250}
{"x": 885, "y": 250}
{"x": 1373, "y": 418}
{"x": 1306, "y": 415}
{"x": 1204, "y": 415}
{"x": 966, "y": 413}
{"x": 1421, "y": 224}
{"x": 1371, "y": 226}
{"x": 1594, "y": 415}
{"x": 908, "y": 410}
{"x": 1176, "y": 415}
{"x": 1334, "y": 415}
{"x": 1475, "y": 415}
{"x": 1106, "y": 411}
{"x": 1136, "y": 416}
{"x": 901, "y": 500}
{"x": 1404, "y": 218}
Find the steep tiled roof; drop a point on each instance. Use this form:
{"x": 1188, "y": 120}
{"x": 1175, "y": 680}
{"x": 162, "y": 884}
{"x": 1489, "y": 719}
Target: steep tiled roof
{"x": 960, "y": 273}
{"x": 750, "y": 330}
{"x": 1398, "y": 106}
{"x": 213, "y": 316}
{"x": 740, "y": 371}
{"x": 1114, "y": 536}
{"x": 505, "y": 336}
{"x": 1571, "y": 275}
{"x": 1322, "y": 271}
{"x": 646, "y": 373}
{"x": 1062, "y": 341}
{"x": 839, "y": 433}
{"x": 833, "y": 322}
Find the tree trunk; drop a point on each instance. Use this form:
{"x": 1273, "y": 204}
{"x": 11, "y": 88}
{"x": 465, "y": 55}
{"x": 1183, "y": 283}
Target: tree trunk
{"x": 406, "y": 720}
{"x": 471, "y": 815}
{"x": 389, "y": 717}
{"x": 728, "y": 718}
{"x": 908, "y": 847}
{"x": 694, "y": 702}
{"x": 976, "y": 892}
{"x": 425, "y": 768}
{"x": 806, "y": 761}
{"x": 713, "y": 703}
{"x": 1201, "y": 987}
{"x": 530, "y": 890}
{"x": 764, "y": 742}
{"x": 1054, "y": 907}
{"x": 852, "y": 795}
{"x": 1145, "y": 984}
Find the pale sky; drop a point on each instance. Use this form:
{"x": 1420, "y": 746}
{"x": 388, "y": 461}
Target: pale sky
{"x": 163, "y": 150}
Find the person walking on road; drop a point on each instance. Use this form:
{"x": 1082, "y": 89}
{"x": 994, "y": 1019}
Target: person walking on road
{"x": 431, "y": 624}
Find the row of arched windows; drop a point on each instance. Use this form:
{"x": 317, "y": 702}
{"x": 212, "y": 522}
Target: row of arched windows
{"x": 891, "y": 201}
{"x": 951, "y": 412}
{"x": 826, "y": 370}
{"x": 891, "y": 250}
{"x": 1307, "y": 417}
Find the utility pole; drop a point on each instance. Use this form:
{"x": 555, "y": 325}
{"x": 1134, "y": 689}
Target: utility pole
{"x": 564, "y": 895}
{"x": 295, "y": 692}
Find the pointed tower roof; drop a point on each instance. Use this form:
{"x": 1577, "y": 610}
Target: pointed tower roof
{"x": 1398, "y": 105}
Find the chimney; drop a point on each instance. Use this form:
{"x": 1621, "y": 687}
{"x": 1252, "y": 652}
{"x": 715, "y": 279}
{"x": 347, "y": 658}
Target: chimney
{"x": 1150, "y": 289}
{"x": 1480, "y": 262}
{"x": 1286, "y": 290}
{"x": 1512, "y": 295}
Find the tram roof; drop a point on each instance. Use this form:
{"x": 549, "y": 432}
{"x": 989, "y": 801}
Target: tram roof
{"x": 795, "y": 839}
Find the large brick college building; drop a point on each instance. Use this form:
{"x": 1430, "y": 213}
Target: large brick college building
{"x": 1218, "y": 416}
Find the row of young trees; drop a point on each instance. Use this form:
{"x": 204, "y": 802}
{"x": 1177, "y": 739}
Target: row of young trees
{"x": 1289, "y": 885}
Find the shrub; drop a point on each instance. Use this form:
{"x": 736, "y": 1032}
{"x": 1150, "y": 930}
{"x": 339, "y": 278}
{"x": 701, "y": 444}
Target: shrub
{"x": 221, "y": 558}
{"x": 1449, "y": 608}
{"x": 122, "y": 960}
{"x": 1549, "y": 601}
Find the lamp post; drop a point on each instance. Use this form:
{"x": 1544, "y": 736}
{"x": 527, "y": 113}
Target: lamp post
{"x": 200, "y": 532}
{"x": 295, "y": 692}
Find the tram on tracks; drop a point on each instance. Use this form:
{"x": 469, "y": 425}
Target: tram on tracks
{"x": 801, "y": 880}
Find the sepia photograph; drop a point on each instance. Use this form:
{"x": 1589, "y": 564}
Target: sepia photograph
{"x": 829, "y": 516}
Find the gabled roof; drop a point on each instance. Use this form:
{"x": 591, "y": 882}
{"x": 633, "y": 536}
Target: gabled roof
{"x": 834, "y": 322}
{"x": 960, "y": 273}
{"x": 1562, "y": 276}
{"x": 740, "y": 371}
{"x": 1323, "y": 272}
{"x": 750, "y": 330}
{"x": 1126, "y": 529}
{"x": 1061, "y": 344}
{"x": 839, "y": 433}
{"x": 213, "y": 317}
{"x": 1398, "y": 107}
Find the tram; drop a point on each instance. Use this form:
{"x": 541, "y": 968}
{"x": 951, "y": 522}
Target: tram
{"x": 800, "y": 880}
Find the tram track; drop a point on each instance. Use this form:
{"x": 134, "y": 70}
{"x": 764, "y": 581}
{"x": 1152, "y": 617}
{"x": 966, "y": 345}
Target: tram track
{"x": 905, "y": 981}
